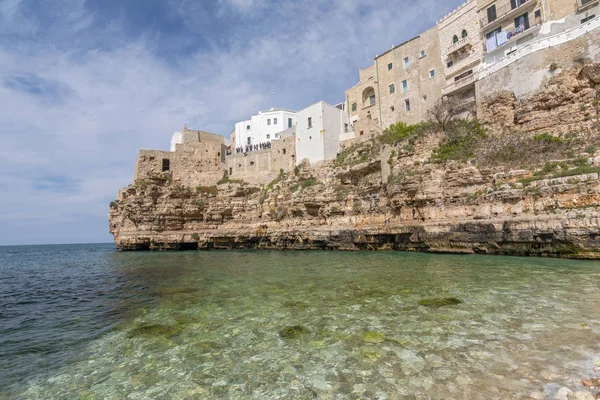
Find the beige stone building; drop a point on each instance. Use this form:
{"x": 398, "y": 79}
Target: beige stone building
{"x": 461, "y": 51}
{"x": 400, "y": 86}
{"x": 199, "y": 160}
{"x": 262, "y": 166}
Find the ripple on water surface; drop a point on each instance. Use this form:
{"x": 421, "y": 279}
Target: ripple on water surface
{"x": 269, "y": 325}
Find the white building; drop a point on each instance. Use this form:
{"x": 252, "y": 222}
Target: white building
{"x": 176, "y": 139}
{"x": 264, "y": 127}
{"x": 318, "y": 132}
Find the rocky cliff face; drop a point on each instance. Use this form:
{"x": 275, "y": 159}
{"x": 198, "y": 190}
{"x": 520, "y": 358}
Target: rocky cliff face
{"x": 379, "y": 196}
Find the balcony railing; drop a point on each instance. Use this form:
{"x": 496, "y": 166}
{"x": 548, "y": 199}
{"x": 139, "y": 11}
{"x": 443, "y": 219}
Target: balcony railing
{"x": 581, "y": 4}
{"x": 460, "y": 45}
{"x": 459, "y": 84}
{"x": 503, "y": 10}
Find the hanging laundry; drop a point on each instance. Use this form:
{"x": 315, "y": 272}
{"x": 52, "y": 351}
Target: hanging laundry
{"x": 501, "y": 38}
{"x": 491, "y": 43}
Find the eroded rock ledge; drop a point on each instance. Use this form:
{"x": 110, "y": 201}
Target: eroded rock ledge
{"x": 398, "y": 199}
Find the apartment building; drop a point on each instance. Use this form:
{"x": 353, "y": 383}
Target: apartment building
{"x": 461, "y": 51}
{"x": 263, "y": 127}
{"x": 400, "y": 86}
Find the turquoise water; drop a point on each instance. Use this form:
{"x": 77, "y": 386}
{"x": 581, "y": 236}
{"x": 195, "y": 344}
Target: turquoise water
{"x": 89, "y": 322}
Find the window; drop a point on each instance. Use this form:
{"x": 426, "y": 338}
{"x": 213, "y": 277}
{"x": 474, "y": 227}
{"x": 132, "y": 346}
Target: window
{"x": 166, "y": 164}
{"x": 517, "y": 3}
{"x": 346, "y": 126}
{"x": 522, "y": 22}
{"x": 406, "y": 62}
{"x": 493, "y": 33}
{"x": 432, "y": 73}
{"x": 422, "y": 54}
{"x": 277, "y": 136}
{"x": 274, "y": 121}
{"x": 425, "y": 98}
{"x": 455, "y": 39}
{"x": 449, "y": 64}
{"x": 269, "y": 121}
{"x": 369, "y": 115}
{"x": 586, "y": 19}
{"x": 464, "y": 33}
{"x": 289, "y": 122}
{"x": 404, "y": 86}
{"x": 248, "y": 127}
{"x": 393, "y": 108}
{"x": 310, "y": 138}
{"x": 249, "y": 141}
{"x": 230, "y": 171}
{"x": 392, "y": 89}
{"x": 407, "y": 105}
{"x": 372, "y": 99}
{"x": 362, "y": 133}
{"x": 283, "y": 151}
{"x": 251, "y": 163}
{"x": 354, "y": 107}
{"x": 491, "y": 14}
{"x": 390, "y": 66}
{"x": 309, "y": 122}
{"x": 268, "y": 137}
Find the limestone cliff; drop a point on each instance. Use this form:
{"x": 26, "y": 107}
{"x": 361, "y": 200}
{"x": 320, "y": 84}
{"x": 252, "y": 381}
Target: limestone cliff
{"x": 398, "y": 196}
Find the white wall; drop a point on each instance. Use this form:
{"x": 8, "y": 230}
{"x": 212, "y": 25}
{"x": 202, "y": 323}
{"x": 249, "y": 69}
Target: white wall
{"x": 322, "y": 141}
{"x": 176, "y": 139}
{"x": 260, "y": 131}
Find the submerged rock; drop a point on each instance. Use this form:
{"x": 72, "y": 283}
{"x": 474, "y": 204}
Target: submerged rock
{"x": 291, "y": 332}
{"x": 155, "y": 330}
{"x": 373, "y": 337}
{"x": 581, "y": 396}
{"x": 449, "y": 301}
{"x": 563, "y": 394}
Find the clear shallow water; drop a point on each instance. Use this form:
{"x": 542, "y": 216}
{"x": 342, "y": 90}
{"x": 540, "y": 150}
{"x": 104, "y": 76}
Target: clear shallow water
{"x": 90, "y": 322}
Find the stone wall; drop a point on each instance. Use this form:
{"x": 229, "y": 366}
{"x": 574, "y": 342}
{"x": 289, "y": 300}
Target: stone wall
{"x": 567, "y": 103}
{"x": 536, "y": 71}
{"x": 197, "y": 161}
{"x": 260, "y": 167}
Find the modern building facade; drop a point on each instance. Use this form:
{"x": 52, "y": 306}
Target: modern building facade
{"x": 264, "y": 127}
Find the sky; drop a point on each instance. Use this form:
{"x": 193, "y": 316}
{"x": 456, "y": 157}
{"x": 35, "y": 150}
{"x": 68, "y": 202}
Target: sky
{"x": 86, "y": 84}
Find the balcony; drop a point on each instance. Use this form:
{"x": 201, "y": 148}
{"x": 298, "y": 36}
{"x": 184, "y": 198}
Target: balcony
{"x": 584, "y": 4}
{"x": 459, "y": 84}
{"x": 463, "y": 44}
{"x": 505, "y": 11}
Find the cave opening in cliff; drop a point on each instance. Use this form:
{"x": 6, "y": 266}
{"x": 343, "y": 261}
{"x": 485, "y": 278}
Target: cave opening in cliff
{"x": 188, "y": 246}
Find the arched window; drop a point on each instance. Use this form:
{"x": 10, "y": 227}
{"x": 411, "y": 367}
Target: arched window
{"x": 464, "y": 33}
{"x": 455, "y": 39}
{"x": 368, "y": 97}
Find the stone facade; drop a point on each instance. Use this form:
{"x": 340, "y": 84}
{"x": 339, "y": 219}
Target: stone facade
{"x": 404, "y": 80}
{"x": 261, "y": 167}
{"x": 462, "y": 49}
{"x": 198, "y": 161}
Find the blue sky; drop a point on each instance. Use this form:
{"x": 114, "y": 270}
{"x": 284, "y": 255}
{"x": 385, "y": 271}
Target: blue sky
{"x": 85, "y": 84}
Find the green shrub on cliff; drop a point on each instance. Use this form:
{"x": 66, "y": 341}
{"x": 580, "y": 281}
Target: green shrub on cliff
{"x": 401, "y": 131}
{"x": 460, "y": 142}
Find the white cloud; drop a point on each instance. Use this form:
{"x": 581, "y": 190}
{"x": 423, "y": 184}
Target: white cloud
{"x": 79, "y": 112}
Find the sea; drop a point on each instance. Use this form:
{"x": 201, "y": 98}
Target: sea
{"x": 91, "y": 322}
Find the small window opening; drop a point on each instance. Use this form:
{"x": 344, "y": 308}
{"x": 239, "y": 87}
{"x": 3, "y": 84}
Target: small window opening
{"x": 284, "y": 151}
{"x": 251, "y": 163}
{"x": 310, "y": 122}
{"x": 166, "y": 164}
{"x": 230, "y": 171}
